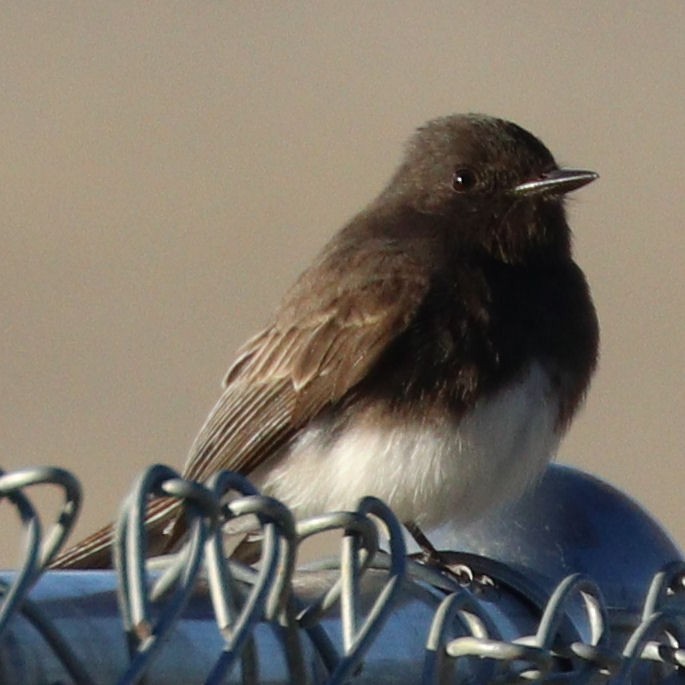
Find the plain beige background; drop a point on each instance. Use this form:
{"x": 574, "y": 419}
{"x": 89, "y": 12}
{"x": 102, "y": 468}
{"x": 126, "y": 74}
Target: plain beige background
{"x": 167, "y": 169}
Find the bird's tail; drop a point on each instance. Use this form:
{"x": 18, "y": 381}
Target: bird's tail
{"x": 96, "y": 551}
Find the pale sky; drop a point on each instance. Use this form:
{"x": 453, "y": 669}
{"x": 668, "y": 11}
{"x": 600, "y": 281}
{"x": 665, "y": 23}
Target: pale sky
{"x": 169, "y": 168}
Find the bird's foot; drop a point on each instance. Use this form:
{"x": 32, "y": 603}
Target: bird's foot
{"x": 463, "y": 574}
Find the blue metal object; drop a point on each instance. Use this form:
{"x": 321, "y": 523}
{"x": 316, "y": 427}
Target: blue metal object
{"x": 574, "y": 583}
{"x": 571, "y": 522}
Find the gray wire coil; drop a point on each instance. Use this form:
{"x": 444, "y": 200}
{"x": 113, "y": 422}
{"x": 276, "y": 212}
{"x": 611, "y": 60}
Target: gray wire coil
{"x": 371, "y": 616}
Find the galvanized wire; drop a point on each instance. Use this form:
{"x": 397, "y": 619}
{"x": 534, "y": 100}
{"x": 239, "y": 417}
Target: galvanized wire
{"x": 40, "y": 550}
{"x": 237, "y": 616}
{"x": 145, "y": 634}
{"x": 328, "y": 635}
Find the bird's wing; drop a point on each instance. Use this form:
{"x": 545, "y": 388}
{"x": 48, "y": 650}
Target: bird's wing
{"x": 318, "y": 348}
{"x": 309, "y": 358}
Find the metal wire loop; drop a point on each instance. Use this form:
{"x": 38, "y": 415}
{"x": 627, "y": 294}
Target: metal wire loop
{"x": 557, "y": 644}
{"x": 643, "y": 644}
{"x": 665, "y": 589}
{"x": 237, "y": 616}
{"x": 592, "y": 655}
{"x": 38, "y": 554}
{"x": 459, "y": 607}
{"x": 145, "y": 635}
{"x": 354, "y": 525}
{"x": 48, "y": 475}
{"x": 358, "y": 636}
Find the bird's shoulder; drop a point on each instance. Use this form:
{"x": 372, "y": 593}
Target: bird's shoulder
{"x": 337, "y": 319}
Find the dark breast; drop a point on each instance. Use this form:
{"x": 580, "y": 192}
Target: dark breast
{"x": 483, "y": 328}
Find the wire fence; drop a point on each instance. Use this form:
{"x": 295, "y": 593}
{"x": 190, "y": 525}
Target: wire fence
{"x": 372, "y": 615}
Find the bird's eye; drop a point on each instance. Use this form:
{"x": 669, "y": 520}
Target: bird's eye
{"x": 464, "y": 179}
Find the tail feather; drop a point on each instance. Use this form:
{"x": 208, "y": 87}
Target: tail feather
{"x": 96, "y": 551}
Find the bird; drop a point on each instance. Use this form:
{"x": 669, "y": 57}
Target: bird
{"x": 433, "y": 354}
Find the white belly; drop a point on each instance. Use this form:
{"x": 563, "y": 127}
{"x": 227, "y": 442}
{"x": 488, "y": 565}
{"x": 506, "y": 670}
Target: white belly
{"x": 427, "y": 473}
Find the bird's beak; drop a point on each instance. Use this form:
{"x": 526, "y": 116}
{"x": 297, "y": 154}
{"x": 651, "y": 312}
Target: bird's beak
{"x": 555, "y": 182}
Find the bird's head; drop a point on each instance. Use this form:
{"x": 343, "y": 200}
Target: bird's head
{"x": 497, "y": 185}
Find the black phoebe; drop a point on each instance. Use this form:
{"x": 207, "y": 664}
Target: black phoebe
{"x": 432, "y": 355}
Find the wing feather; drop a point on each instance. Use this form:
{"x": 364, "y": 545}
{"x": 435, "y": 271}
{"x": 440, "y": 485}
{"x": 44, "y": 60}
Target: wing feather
{"x": 306, "y": 360}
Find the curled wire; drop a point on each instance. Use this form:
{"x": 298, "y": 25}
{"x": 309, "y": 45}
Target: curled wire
{"x": 643, "y": 644}
{"x": 40, "y": 550}
{"x": 532, "y": 657}
{"x": 359, "y": 635}
{"x": 357, "y": 527}
{"x": 595, "y": 656}
{"x": 243, "y": 598}
{"x": 666, "y": 588}
{"x": 462, "y": 607}
{"x": 145, "y": 635}
{"x": 238, "y": 617}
